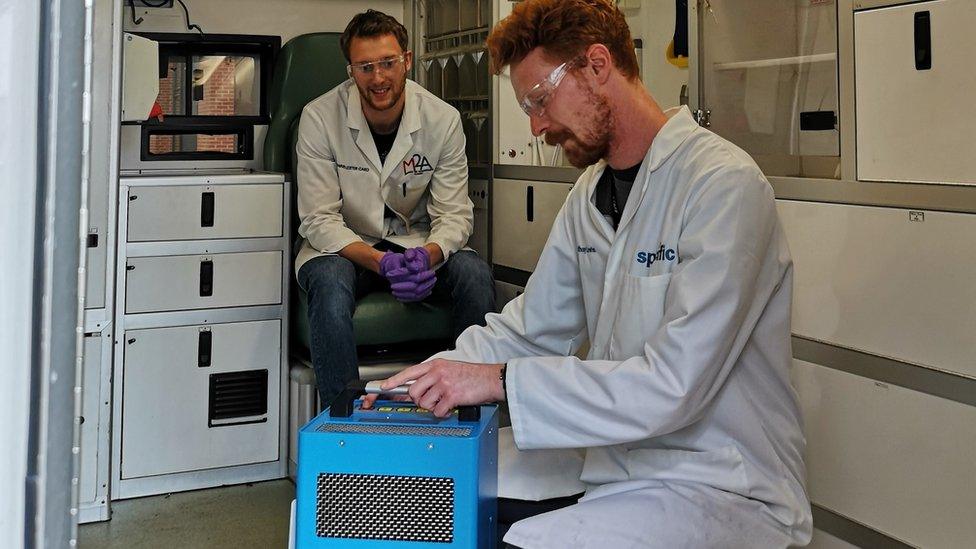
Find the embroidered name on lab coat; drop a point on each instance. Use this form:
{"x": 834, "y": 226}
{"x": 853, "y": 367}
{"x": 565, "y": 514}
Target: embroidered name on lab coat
{"x": 417, "y": 165}
{"x": 351, "y": 168}
{"x": 648, "y": 258}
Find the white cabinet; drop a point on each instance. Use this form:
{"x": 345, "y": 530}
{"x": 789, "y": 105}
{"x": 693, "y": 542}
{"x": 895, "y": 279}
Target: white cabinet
{"x": 896, "y": 460}
{"x": 209, "y": 388}
{"x": 522, "y": 215}
{"x": 914, "y": 85}
{"x": 202, "y": 281}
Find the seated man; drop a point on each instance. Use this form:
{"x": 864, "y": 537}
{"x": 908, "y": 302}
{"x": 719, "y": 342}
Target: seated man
{"x": 669, "y": 259}
{"x": 383, "y": 199}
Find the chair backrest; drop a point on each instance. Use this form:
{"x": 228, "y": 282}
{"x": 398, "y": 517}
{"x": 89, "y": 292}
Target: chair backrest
{"x": 307, "y": 66}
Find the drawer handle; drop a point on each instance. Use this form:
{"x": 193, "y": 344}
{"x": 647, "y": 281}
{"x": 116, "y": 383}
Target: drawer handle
{"x": 206, "y": 278}
{"x": 207, "y": 209}
{"x": 529, "y": 204}
{"x": 204, "y": 349}
{"x": 923, "y": 41}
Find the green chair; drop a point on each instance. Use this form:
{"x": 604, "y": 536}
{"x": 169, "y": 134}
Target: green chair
{"x": 308, "y": 66}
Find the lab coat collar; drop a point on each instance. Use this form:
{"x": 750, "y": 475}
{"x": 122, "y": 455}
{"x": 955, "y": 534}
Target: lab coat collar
{"x": 673, "y": 133}
{"x": 409, "y": 123}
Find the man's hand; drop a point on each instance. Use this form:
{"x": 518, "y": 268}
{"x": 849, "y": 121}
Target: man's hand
{"x": 442, "y": 385}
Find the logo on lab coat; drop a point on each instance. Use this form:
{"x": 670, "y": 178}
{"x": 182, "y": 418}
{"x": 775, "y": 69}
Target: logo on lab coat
{"x": 663, "y": 253}
{"x": 417, "y": 165}
{"x": 585, "y": 249}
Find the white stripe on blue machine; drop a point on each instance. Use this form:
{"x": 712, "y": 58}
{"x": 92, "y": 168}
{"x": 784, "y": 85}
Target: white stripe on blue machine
{"x": 396, "y": 476}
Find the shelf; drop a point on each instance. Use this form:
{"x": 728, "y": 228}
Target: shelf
{"x": 783, "y": 61}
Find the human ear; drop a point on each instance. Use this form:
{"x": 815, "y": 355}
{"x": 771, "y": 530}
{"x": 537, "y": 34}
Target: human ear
{"x": 599, "y": 63}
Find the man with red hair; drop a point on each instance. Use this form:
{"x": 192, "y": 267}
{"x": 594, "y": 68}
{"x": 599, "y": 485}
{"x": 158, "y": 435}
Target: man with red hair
{"x": 669, "y": 259}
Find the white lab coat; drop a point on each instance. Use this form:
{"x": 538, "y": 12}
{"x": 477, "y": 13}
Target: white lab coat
{"x": 686, "y": 385}
{"x": 343, "y": 188}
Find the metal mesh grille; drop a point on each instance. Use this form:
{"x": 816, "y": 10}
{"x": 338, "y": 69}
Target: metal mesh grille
{"x": 395, "y": 430}
{"x": 385, "y": 507}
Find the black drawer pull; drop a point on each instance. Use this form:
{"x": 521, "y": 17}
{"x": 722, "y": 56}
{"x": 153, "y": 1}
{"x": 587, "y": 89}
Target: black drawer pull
{"x": 204, "y": 349}
{"x": 923, "y": 41}
{"x": 530, "y": 204}
{"x": 207, "y": 209}
{"x": 206, "y": 278}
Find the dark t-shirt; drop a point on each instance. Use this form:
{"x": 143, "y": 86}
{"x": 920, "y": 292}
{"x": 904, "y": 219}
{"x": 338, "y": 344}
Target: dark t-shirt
{"x": 613, "y": 190}
{"x": 384, "y": 142}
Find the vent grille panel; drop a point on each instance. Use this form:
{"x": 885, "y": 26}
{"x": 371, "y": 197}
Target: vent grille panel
{"x": 385, "y": 507}
{"x": 238, "y": 394}
{"x": 395, "y": 430}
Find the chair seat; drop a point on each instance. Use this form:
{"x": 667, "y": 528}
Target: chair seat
{"x": 381, "y": 320}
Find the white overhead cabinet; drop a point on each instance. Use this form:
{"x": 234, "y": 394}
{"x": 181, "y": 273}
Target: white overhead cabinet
{"x": 914, "y": 84}
{"x": 767, "y": 73}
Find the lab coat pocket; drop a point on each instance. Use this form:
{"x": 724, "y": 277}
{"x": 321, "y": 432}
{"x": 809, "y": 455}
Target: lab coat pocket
{"x": 641, "y": 308}
{"x": 407, "y": 193}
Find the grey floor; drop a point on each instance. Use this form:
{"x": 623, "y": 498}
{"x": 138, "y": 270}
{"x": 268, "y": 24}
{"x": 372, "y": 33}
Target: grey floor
{"x": 238, "y": 517}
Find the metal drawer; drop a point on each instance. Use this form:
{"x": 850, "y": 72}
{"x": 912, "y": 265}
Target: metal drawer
{"x": 172, "y": 283}
{"x": 204, "y": 212}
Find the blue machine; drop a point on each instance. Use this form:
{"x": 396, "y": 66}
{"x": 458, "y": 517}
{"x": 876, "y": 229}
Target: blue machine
{"x": 396, "y": 476}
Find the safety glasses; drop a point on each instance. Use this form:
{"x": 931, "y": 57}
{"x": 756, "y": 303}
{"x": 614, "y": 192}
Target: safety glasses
{"x": 534, "y": 101}
{"x": 384, "y": 65}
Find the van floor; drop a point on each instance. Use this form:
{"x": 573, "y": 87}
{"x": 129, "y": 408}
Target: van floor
{"x": 238, "y": 517}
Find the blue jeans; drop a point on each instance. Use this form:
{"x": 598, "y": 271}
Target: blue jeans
{"x": 334, "y": 284}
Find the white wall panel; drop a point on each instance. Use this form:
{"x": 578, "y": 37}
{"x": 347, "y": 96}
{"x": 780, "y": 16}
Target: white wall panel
{"x": 896, "y": 460}
{"x": 285, "y": 18}
{"x": 19, "y": 54}
{"x": 870, "y": 279}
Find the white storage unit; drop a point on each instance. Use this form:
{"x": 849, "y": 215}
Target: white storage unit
{"x": 522, "y": 216}
{"x": 886, "y": 281}
{"x": 897, "y": 460}
{"x": 202, "y": 279}
{"x": 914, "y": 84}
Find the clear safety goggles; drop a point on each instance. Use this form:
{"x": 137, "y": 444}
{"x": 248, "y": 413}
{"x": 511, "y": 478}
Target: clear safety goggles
{"x": 534, "y": 101}
{"x": 385, "y": 65}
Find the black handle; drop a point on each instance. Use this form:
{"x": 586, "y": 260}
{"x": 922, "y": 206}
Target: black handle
{"x": 530, "y": 204}
{"x": 206, "y": 278}
{"x": 205, "y": 349}
{"x": 92, "y": 240}
{"x": 923, "y": 41}
{"x": 207, "y": 209}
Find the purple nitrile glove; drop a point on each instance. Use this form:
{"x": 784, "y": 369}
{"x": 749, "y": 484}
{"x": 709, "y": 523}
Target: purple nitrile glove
{"x": 422, "y": 279}
{"x": 390, "y": 262}
{"x": 417, "y": 259}
{"x": 416, "y": 287}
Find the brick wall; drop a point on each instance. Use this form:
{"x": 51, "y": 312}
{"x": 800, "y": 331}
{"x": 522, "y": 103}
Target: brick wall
{"x": 218, "y": 100}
